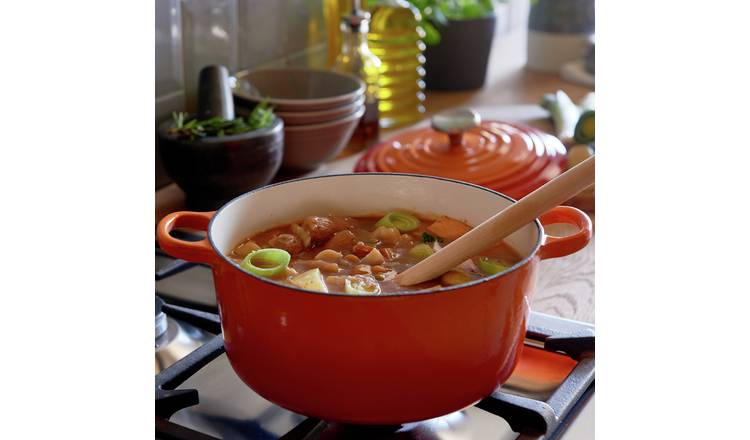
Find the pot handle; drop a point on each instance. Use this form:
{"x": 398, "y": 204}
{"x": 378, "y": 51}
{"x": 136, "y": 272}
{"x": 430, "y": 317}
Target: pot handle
{"x": 554, "y": 247}
{"x": 193, "y": 251}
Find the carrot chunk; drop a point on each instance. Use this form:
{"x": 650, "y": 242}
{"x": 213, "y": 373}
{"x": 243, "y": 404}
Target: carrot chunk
{"x": 448, "y": 228}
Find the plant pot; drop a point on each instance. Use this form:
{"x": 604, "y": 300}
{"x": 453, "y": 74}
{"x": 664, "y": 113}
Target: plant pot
{"x": 459, "y": 61}
{"x": 559, "y": 32}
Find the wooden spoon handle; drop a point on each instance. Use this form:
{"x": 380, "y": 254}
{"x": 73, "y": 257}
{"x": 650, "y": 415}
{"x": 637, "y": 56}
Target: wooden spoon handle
{"x": 502, "y": 224}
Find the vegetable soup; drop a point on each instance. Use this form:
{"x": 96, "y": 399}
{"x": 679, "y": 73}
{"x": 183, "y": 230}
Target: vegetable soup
{"x": 362, "y": 255}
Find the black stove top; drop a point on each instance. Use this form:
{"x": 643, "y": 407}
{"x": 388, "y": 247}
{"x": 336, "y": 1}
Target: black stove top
{"x": 200, "y": 397}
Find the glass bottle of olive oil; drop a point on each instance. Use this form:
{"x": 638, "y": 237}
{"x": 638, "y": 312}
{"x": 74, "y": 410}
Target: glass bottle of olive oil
{"x": 356, "y": 58}
{"x": 396, "y": 38}
{"x": 334, "y": 11}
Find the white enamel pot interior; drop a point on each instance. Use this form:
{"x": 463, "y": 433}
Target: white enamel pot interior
{"x": 362, "y": 194}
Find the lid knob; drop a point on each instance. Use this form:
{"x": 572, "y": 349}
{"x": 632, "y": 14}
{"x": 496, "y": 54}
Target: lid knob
{"x": 454, "y": 123}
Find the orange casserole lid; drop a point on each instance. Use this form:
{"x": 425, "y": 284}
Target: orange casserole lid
{"x": 511, "y": 158}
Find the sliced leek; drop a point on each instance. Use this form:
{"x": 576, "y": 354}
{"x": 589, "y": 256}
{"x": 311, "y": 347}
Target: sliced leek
{"x": 400, "y": 220}
{"x": 361, "y": 285}
{"x": 489, "y": 266}
{"x": 420, "y": 251}
{"x": 266, "y": 262}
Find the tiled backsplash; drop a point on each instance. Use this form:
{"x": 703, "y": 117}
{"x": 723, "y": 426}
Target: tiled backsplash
{"x": 240, "y": 34}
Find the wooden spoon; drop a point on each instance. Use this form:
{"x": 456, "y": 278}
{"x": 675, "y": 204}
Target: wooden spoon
{"x": 502, "y": 224}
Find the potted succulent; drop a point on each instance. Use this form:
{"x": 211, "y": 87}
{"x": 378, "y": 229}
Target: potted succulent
{"x": 458, "y": 34}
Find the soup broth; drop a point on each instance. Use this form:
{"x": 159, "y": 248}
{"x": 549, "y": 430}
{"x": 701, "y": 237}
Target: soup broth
{"x": 363, "y": 254}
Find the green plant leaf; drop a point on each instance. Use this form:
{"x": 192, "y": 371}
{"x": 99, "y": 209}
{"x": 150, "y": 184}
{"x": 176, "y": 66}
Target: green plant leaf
{"x": 261, "y": 116}
{"x": 471, "y": 11}
{"x": 439, "y": 11}
{"x": 432, "y": 36}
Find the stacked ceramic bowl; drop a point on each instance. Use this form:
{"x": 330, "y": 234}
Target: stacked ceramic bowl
{"x": 320, "y": 110}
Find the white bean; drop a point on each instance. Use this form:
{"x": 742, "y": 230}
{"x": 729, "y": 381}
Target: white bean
{"x": 329, "y": 255}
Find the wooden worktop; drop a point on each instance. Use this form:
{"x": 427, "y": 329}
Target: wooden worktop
{"x": 566, "y": 285}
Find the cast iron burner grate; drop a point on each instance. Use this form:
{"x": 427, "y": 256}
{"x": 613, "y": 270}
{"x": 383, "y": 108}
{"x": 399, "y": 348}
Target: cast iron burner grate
{"x": 527, "y": 416}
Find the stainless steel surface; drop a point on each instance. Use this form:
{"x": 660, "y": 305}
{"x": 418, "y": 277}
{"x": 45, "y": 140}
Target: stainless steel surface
{"x": 195, "y": 285}
{"x": 228, "y": 409}
{"x": 161, "y": 324}
{"x": 177, "y": 341}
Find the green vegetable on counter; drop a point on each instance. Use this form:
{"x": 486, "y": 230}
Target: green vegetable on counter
{"x": 261, "y": 116}
{"x": 563, "y": 111}
{"x": 399, "y": 220}
{"x": 266, "y": 262}
{"x": 584, "y": 131}
{"x": 420, "y": 251}
{"x": 489, "y": 266}
{"x": 587, "y": 102}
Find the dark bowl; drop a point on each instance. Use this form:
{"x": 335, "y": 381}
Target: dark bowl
{"x": 214, "y": 170}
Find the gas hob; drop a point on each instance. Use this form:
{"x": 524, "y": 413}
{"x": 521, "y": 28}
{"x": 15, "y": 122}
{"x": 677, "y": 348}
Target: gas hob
{"x": 198, "y": 396}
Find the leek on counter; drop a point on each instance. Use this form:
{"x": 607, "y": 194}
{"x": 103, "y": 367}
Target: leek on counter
{"x": 565, "y": 114}
{"x": 587, "y": 102}
{"x": 584, "y": 131}
{"x": 563, "y": 111}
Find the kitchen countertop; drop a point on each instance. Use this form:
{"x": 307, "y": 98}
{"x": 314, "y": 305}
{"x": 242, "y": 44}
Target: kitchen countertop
{"x": 566, "y": 285}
